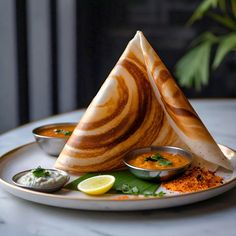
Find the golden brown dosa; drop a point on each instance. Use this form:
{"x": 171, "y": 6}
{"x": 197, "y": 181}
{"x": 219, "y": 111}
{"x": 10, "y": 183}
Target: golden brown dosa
{"x": 138, "y": 105}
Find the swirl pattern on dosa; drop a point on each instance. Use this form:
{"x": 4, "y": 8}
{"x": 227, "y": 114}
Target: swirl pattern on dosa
{"x": 138, "y": 105}
{"x": 179, "y": 112}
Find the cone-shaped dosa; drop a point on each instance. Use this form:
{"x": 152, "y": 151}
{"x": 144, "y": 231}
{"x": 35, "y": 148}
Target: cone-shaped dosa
{"x": 138, "y": 105}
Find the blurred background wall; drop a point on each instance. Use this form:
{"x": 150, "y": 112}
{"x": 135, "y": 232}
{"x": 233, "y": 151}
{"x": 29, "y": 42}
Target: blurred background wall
{"x": 55, "y": 54}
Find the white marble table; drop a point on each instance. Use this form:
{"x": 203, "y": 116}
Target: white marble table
{"x": 212, "y": 217}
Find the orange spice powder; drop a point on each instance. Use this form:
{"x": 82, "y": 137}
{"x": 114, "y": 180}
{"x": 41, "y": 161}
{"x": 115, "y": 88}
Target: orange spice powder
{"x": 125, "y": 197}
{"x": 193, "y": 180}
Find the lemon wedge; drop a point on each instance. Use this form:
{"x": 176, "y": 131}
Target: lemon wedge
{"x": 97, "y": 185}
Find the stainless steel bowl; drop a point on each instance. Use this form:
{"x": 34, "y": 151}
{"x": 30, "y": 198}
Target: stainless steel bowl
{"x": 157, "y": 175}
{"x": 55, "y": 188}
{"x": 51, "y": 145}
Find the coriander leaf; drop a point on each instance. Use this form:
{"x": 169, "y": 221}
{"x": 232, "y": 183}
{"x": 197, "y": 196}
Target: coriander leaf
{"x": 150, "y": 194}
{"x": 40, "y": 172}
{"x": 155, "y": 157}
{"x": 125, "y": 188}
{"x": 62, "y": 131}
{"x": 160, "y": 194}
{"x": 164, "y": 162}
{"x": 66, "y": 133}
{"x": 135, "y": 190}
{"x": 160, "y": 159}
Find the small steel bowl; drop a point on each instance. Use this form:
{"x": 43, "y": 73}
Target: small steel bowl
{"x": 157, "y": 175}
{"x": 51, "y": 145}
{"x": 40, "y": 189}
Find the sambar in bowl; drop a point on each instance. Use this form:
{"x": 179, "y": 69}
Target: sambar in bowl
{"x": 159, "y": 163}
{"x": 53, "y": 137}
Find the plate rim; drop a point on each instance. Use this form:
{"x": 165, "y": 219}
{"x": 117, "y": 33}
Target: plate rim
{"x": 102, "y": 199}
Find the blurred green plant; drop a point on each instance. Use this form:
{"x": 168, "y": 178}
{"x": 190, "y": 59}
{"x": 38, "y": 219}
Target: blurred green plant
{"x": 193, "y": 68}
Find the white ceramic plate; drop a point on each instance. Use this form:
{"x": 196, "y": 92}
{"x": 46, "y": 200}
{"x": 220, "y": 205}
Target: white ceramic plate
{"x": 30, "y": 156}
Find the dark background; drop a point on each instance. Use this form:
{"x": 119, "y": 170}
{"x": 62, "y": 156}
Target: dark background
{"x": 54, "y": 55}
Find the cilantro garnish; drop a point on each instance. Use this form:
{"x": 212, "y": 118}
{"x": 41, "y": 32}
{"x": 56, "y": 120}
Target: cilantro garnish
{"x": 149, "y": 194}
{"x": 160, "y": 159}
{"x": 62, "y": 131}
{"x": 129, "y": 190}
{"x": 40, "y": 172}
